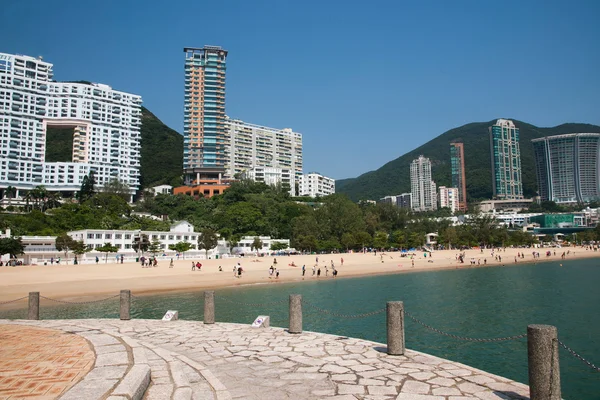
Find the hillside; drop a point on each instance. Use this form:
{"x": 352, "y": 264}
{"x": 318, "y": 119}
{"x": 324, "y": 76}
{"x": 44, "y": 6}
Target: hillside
{"x": 394, "y": 177}
{"x": 161, "y": 152}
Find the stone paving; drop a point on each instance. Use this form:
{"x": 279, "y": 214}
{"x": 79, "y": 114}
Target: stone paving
{"x": 190, "y": 360}
{"x": 41, "y": 363}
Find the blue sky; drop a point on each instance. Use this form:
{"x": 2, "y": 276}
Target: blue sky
{"x": 364, "y": 82}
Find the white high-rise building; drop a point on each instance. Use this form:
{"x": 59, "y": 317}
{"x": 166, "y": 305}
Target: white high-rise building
{"x": 423, "y": 189}
{"x": 316, "y": 185}
{"x": 273, "y": 176}
{"x": 448, "y": 198}
{"x": 101, "y": 125}
{"x": 248, "y": 146}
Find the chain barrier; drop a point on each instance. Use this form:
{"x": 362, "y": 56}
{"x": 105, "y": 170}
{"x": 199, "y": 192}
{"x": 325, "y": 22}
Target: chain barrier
{"x": 500, "y": 339}
{"x": 251, "y": 304}
{"x": 579, "y": 357}
{"x": 80, "y": 302}
{"x": 350, "y": 316}
{"x": 13, "y": 301}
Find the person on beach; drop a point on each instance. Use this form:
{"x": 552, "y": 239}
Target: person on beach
{"x": 314, "y": 270}
{"x": 274, "y": 261}
{"x": 122, "y": 258}
{"x": 171, "y": 263}
{"x": 239, "y": 272}
{"x": 193, "y": 266}
{"x": 335, "y": 273}
{"x": 97, "y": 259}
{"x": 303, "y": 269}
{"x": 199, "y": 266}
{"x": 342, "y": 261}
{"x": 276, "y": 274}
{"x": 318, "y": 272}
{"x": 235, "y": 270}
{"x": 327, "y": 270}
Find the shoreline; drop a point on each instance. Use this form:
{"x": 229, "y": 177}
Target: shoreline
{"x": 92, "y": 282}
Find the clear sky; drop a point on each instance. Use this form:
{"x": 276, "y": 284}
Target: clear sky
{"x": 363, "y": 81}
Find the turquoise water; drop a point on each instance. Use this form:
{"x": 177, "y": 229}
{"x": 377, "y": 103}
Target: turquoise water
{"x": 480, "y": 302}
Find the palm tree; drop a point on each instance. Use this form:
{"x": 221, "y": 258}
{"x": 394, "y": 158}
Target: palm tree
{"x": 10, "y": 193}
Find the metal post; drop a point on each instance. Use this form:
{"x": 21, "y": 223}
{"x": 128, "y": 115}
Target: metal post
{"x": 295, "y": 313}
{"x": 209, "y": 307}
{"x": 395, "y": 328}
{"x": 34, "y": 306}
{"x": 125, "y": 305}
{"x": 542, "y": 355}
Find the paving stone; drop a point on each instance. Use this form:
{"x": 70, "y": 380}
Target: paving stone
{"x": 422, "y": 376}
{"x": 113, "y": 372}
{"x": 350, "y": 389}
{"x": 382, "y": 390}
{"x": 111, "y": 359}
{"x": 446, "y": 391}
{"x": 414, "y": 387}
{"x": 442, "y": 382}
{"x": 135, "y": 383}
{"x": 412, "y": 396}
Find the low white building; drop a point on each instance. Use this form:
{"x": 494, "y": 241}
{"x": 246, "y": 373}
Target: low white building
{"x": 316, "y": 185}
{"x": 273, "y": 176}
{"x": 162, "y": 189}
{"x": 244, "y": 246}
{"x": 38, "y": 249}
{"x": 448, "y": 197}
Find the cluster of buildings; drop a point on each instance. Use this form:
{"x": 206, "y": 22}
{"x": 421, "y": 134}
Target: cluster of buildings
{"x": 567, "y": 169}
{"x": 100, "y": 128}
{"x": 219, "y": 149}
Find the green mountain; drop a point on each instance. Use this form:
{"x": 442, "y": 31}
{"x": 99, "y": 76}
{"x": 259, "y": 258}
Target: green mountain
{"x": 161, "y": 153}
{"x": 394, "y": 177}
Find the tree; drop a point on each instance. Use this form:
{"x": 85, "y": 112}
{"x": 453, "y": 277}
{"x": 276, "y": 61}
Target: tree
{"x": 233, "y": 241}
{"x": 363, "y": 238}
{"x": 181, "y": 247}
{"x": 10, "y": 193}
{"x": 86, "y": 190}
{"x": 154, "y": 247}
{"x": 141, "y": 243}
{"x": 107, "y": 248}
{"x": 79, "y": 248}
{"x": 448, "y": 236}
{"x": 117, "y": 188}
{"x": 276, "y": 246}
{"x": 348, "y": 241}
{"x": 257, "y": 244}
{"x": 12, "y": 246}
{"x": 307, "y": 242}
{"x": 207, "y": 239}
{"x": 380, "y": 241}
{"x": 65, "y": 243}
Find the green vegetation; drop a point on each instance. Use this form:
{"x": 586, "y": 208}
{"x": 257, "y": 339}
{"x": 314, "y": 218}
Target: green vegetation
{"x": 394, "y": 177}
{"x": 59, "y": 144}
{"x": 161, "y": 153}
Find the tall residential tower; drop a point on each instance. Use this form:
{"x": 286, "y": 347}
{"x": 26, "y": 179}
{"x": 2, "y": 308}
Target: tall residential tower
{"x": 568, "y": 167}
{"x": 423, "y": 189}
{"x": 204, "y": 113}
{"x": 506, "y": 160}
{"x": 457, "y": 160}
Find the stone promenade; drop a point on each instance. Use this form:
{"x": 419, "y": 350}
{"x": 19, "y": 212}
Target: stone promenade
{"x": 189, "y": 360}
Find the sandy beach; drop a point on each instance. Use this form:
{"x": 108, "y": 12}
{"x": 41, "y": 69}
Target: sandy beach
{"x": 90, "y": 281}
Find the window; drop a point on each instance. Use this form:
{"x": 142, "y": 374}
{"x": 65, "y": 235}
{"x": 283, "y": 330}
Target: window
{"x": 108, "y": 236}
{"x": 154, "y": 236}
{"x": 185, "y": 237}
{"x": 162, "y": 237}
{"x": 193, "y": 237}
{"x": 118, "y": 236}
{"x": 170, "y": 237}
{"x": 90, "y": 235}
{"x": 127, "y": 246}
{"x": 178, "y": 237}
{"x": 98, "y": 236}
{"x": 127, "y": 236}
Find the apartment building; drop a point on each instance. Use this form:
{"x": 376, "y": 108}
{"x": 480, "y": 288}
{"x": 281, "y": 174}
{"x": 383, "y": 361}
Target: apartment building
{"x": 567, "y": 167}
{"x": 423, "y": 189}
{"x": 506, "y": 160}
{"x": 459, "y": 181}
{"x": 204, "y": 113}
{"x": 449, "y": 198}
{"x": 248, "y": 146}
{"x": 100, "y": 125}
{"x": 314, "y": 184}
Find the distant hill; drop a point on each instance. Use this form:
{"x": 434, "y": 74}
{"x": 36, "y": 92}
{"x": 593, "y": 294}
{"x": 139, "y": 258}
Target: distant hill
{"x": 394, "y": 177}
{"x": 161, "y": 153}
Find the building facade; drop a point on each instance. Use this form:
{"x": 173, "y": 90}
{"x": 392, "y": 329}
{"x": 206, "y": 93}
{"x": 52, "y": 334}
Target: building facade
{"x": 248, "y": 146}
{"x": 204, "y": 113}
{"x": 457, "y": 161}
{"x": 314, "y": 184}
{"x": 273, "y": 176}
{"x": 506, "y": 160}
{"x": 449, "y": 198}
{"x": 423, "y": 189}
{"x": 567, "y": 167}
{"x": 404, "y": 200}
{"x": 101, "y": 125}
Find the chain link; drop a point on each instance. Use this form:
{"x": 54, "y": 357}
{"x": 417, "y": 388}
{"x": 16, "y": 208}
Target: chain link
{"x": 576, "y": 355}
{"x": 350, "y": 316}
{"x": 13, "y": 301}
{"x": 500, "y": 339}
{"x": 251, "y": 304}
{"x": 80, "y": 302}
